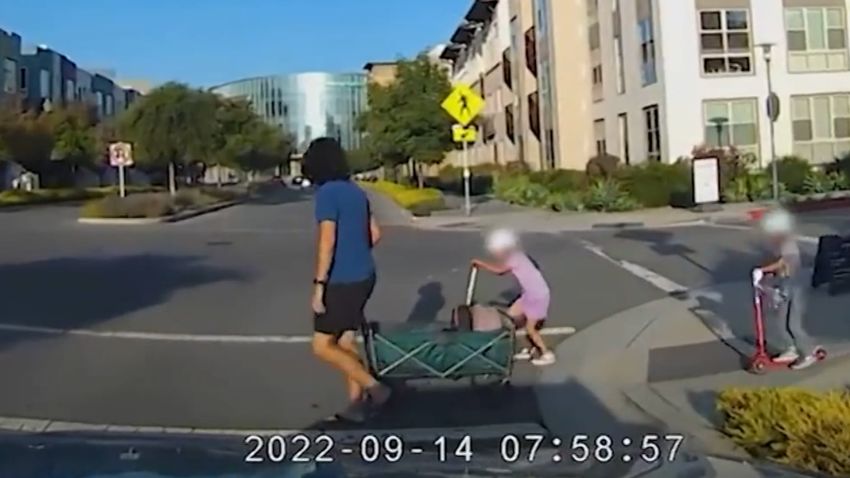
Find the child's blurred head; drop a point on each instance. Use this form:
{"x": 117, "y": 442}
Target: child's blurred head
{"x": 777, "y": 225}
{"x": 502, "y": 242}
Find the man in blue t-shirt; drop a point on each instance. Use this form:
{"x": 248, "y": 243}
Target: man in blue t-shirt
{"x": 345, "y": 272}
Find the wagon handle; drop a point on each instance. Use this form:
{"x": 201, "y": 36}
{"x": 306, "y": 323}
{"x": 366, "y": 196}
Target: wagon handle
{"x": 470, "y": 285}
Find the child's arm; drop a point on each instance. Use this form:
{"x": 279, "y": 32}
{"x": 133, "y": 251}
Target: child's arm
{"x": 774, "y": 267}
{"x": 499, "y": 269}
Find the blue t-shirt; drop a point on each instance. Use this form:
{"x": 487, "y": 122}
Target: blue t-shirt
{"x": 344, "y": 203}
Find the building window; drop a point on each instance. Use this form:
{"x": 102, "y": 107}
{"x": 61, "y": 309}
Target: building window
{"x": 599, "y": 137}
{"x": 22, "y": 82}
{"x": 110, "y": 105}
{"x": 44, "y": 83}
{"x": 725, "y": 46}
{"x": 653, "y": 133}
{"x": 531, "y": 51}
{"x": 506, "y": 68}
{"x": 647, "y": 43}
{"x": 623, "y": 130}
{"x": 534, "y": 114}
{"x": 10, "y": 76}
{"x": 597, "y": 82}
{"x": 821, "y": 126}
{"x": 69, "y": 90}
{"x": 616, "y": 21}
{"x": 817, "y": 39}
{"x": 99, "y": 100}
{"x": 510, "y": 129}
{"x": 732, "y": 123}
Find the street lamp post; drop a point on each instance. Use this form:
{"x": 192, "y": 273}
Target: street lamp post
{"x": 773, "y": 114}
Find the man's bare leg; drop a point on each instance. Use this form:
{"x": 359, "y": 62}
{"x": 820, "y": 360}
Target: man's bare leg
{"x": 347, "y": 343}
{"x": 326, "y": 348}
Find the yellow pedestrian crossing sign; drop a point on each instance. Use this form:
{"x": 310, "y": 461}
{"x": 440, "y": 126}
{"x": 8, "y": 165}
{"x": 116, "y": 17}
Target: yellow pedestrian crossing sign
{"x": 464, "y": 134}
{"x": 463, "y": 104}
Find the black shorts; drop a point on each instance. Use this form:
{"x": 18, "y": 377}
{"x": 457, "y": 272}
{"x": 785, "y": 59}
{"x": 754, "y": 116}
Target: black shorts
{"x": 344, "y": 304}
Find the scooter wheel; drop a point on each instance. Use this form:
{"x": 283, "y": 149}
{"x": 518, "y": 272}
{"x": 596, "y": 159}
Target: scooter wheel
{"x": 758, "y": 366}
{"x": 820, "y": 354}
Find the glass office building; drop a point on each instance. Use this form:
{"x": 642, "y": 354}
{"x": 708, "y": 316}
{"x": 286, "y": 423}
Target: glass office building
{"x": 307, "y": 105}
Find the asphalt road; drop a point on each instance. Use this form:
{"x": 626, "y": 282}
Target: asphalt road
{"x": 246, "y": 271}
{"x": 243, "y": 271}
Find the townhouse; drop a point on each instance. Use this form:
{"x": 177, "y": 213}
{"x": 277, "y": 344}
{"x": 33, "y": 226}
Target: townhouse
{"x": 648, "y": 80}
{"x": 39, "y": 78}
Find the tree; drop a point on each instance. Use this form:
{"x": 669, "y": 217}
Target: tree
{"x": 404, "y": 120}
{"x": 73, "y": 131}
{"x": 172, "y": 125}
{"x": 362, "y": 159}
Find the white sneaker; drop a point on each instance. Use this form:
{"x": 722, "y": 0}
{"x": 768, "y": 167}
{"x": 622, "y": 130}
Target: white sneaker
{"x": 788, "y": 356}
{"x": 547, "y": 358}
{"x": 804, "y": 362}
{"x": 524, "y": 354}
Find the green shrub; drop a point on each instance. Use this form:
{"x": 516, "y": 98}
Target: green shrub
{"x": 149, "y": 205}
{"x": 450, "y": 178}
{"x": 653, "y": 184}
{"x": 817, "y": 182}
{"x": 792, "y": 171}
{"x": 520, "y": 189}
{"x": 604, "y": 165}
{"x": 561, "y": 201}
{"x": 607, "y": 194}
{"x": 560, "y": 179}
{"x": 410, "y": 198}
{"x": 841, "y": 165}
{"x": 804, "y": 429}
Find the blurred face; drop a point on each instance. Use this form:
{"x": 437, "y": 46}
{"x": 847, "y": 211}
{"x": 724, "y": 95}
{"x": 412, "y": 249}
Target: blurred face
{"x": 500, "y": 255}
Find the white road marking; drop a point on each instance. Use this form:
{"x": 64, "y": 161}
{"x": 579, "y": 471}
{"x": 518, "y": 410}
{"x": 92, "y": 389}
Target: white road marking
{"x": 411, "y": 435}
{"x": 232, "y": 339}
{"x": 653, "y": 278}
{"x": 803, "y": 239}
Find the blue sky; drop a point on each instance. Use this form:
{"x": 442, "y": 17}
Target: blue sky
{"x": 224, "y": 40}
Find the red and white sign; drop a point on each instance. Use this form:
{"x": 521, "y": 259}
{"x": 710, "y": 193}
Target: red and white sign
{"x": 121, "y": 154}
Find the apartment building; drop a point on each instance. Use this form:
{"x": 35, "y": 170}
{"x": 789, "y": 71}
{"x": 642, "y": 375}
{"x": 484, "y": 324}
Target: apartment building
{"x": 10, "y": 56}
{"x": 672, "y": 74}
{"x": 480, "y": 55}
{"x": 526, "y": 61}
{"x": 381, "y": 72}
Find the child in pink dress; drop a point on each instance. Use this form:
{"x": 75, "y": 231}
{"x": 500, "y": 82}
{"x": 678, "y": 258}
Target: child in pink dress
{"x": 532, "y": 307}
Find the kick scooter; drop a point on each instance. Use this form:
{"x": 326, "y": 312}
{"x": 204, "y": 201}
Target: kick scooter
{"x": 761, "y": 361}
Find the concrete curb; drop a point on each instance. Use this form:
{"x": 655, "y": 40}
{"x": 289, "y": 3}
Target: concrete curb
{"x": 481, "y": 432}
{"x": 143, "y": 221}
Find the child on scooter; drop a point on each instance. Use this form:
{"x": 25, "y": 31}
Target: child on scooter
{"x": 778, "y": 226}
{"x": 532, "y": 307}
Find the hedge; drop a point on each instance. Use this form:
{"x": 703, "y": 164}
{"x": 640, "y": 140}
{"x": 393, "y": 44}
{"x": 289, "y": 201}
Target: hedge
{"x": 801, "y": 428}
{"x": 155, "y": 204}
{"x": 419, "y": 201}
{"x": 19, "y": 197}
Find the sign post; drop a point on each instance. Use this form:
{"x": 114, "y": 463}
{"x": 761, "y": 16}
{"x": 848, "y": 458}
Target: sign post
{"x": 121, "y": 156}
{"x": 464, "y": 105}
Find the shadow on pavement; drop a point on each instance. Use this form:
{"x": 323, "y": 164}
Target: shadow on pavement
{"x": 79, "y": 292}
{"x": 428, "y": 305}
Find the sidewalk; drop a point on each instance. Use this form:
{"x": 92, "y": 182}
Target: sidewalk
{"x": 658, "y": 367}
{"x": 485, "y": 216}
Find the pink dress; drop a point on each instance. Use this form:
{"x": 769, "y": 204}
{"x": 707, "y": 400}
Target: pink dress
{"x": 534, "y": 299}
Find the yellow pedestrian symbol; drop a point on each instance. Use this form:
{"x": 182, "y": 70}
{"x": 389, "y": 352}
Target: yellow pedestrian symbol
{"x": 463, "y": 104}
{"x": 464, "y": 134}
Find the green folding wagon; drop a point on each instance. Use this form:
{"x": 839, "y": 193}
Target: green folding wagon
{"x": 411, "y": 351}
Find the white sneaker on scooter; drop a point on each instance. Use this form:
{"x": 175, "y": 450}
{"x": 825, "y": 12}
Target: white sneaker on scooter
{"x": 789, "y": 355}
{"x": 524, "y": 354}
{"x": 804, "y": 362}
{"x": 544, "y": 359}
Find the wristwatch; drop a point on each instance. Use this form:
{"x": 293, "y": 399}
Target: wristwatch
{"x": 321, "y": 282}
